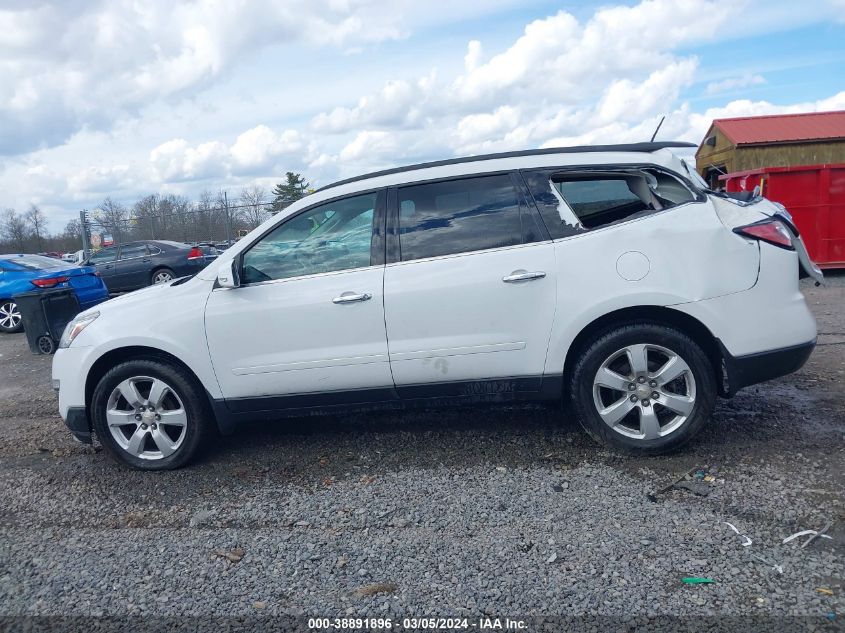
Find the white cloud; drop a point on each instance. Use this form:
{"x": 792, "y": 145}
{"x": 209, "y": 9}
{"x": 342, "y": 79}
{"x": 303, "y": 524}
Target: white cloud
{"x": 553, "y": 74}
{"x": 70, "y": 64}
{"x": 369, "y": 147}
{"x": 630, "y": 101}
{"x": 100, "y": 180}
{"x": 177, "y": 160}
{"x": 478, "y": 127}
{"x": 735, "y": 83}
{"x": 256, "y": 149}
{"x": 397, "y": 105}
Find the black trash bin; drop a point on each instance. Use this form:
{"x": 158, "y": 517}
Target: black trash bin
{"x": 45, "y": 313}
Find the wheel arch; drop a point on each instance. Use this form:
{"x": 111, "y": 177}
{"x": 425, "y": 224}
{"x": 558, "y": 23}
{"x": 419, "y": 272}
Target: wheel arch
{"x": 662, "y": 315}
{"x": 160, "y": 267}
{"x": 119, "y": 355}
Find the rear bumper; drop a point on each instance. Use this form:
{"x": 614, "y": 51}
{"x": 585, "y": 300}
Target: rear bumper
{"x": 78, "y": 423}
{"x": 742, "y": 371}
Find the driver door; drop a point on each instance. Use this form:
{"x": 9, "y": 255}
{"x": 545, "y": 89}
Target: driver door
{"x": 306, "y": 326}
{"x": 104, "y": 261}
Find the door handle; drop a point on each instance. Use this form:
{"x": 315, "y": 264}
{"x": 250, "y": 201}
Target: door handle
{"x": 351, "y": 297}
{"x": 522, "y": 275}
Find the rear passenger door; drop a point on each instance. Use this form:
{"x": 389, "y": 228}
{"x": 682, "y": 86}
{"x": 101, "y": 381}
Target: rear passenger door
{"x": 469, "y": 288}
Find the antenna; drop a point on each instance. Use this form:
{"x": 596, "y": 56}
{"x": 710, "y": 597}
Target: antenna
{"x": 653, "y": 136}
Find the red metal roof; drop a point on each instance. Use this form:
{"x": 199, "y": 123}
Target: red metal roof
{"x": 784, "y": 128}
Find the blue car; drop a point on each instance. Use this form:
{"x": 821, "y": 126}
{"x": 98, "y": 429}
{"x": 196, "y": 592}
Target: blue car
{"x": 24, "y": 273}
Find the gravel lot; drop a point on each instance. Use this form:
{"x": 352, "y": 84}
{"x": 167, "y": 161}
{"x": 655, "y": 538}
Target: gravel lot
{"x": 502, "y": 511}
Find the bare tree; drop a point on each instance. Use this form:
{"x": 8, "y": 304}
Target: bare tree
{"x": 254, "y": 205}
{"x": 13, "y": 228}
{"x": 146, "y": 214}
{"x": 175, "y": 209}
{"x": 73, "y": 230}
{"x": 70, "y": 239}
{"x": 37, "y": 222}
{"x": 113, "y": 217}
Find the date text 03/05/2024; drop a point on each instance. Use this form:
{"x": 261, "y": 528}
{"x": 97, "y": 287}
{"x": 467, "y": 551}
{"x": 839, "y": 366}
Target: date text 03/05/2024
{"x": 417, "y": 624}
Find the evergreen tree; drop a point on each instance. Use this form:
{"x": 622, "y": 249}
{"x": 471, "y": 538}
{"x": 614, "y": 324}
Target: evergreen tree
{"x": 285, "y": 193}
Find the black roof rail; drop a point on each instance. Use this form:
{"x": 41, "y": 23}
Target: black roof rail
{"x": 629, "y": 147}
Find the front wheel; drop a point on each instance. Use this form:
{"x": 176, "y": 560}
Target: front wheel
{"x": 10, "y": 317}
{"x": 150, "y": 414}
{"x": 644, "y": 387}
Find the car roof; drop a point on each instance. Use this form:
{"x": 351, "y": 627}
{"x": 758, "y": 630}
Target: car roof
{"x": 169, "y": 243}
{"x": 466, "y": 160}
{"x": 165, "y": 242}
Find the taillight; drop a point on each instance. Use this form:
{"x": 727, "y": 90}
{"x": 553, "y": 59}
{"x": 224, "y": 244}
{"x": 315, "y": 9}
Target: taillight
{"x": 50, "y": 282}
{"x": 195, "y": 253}
{"x": 771, "y": 231}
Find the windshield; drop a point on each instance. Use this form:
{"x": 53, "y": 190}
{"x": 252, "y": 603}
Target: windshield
{"x": 35, "y": 262}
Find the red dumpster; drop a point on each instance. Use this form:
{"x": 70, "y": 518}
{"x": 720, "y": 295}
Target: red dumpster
{"x": 814, "y": 195}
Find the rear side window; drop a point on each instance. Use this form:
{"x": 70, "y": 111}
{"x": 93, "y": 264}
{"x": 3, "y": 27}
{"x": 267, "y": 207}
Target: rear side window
{"x": 458, "y": 216}
{"x": 131, "y": 251}
{"x": 602, "y": 200}
{"x": 573, "y": 201}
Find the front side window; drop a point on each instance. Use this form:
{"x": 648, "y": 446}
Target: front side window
{"x": 103, "y": 256}
{"x": 334, "y": 236}
{"x": 458, "y": 216}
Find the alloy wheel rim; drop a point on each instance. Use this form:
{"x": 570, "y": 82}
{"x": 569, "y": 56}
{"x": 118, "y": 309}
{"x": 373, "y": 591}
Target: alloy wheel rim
{"x": 146, "y": 418}
{"x": 162, "y": 278}
{"x": 10, "y": 315}
{"x": 644, "y": 391}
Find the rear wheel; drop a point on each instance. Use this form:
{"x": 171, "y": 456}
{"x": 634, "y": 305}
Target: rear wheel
{"x": 150, "y": 415}
{"x": 162, "y": 276}
{"x": 10, "y": 317}
{"x": 643, "y": 387}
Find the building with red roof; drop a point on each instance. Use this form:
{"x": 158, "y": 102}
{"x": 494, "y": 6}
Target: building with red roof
{"x": 780, "y": 140}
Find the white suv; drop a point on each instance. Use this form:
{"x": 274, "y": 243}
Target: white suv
{"x": 606, "y": 276}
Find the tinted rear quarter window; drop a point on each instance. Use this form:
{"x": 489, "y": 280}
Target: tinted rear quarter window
{"x": 594, "y": 200}
{"x": 131, "y": 251}
{"x": 458, "y": 216}
{"x": 600, "y": 201}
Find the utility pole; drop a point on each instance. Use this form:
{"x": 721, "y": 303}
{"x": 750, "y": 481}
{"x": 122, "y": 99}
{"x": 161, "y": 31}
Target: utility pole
{"x": 86, "y": 226}
{"x": 228, "y": 218}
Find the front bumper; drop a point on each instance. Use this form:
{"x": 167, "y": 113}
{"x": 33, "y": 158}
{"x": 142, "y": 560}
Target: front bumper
{"x": 78, "y": 423}
{"x": 750, "y": 369}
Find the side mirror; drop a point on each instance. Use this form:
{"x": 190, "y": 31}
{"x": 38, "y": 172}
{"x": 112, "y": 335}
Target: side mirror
{"x": 227, "y": 276}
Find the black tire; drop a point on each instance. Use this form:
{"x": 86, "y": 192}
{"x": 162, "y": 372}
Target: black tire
{"x": 46, "y": 345}
{"x": 7, "y": 306}
{"x": 160, "y": 271}
{"x": 593, "y": 355}
{"x": 200, "y": 427}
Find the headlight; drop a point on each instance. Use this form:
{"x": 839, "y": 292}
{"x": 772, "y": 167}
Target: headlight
{"x": 75, "y": 327}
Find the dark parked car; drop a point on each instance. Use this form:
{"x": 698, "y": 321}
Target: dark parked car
{"x": 209, "y": 251}
{"x": 139, "y": 264}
